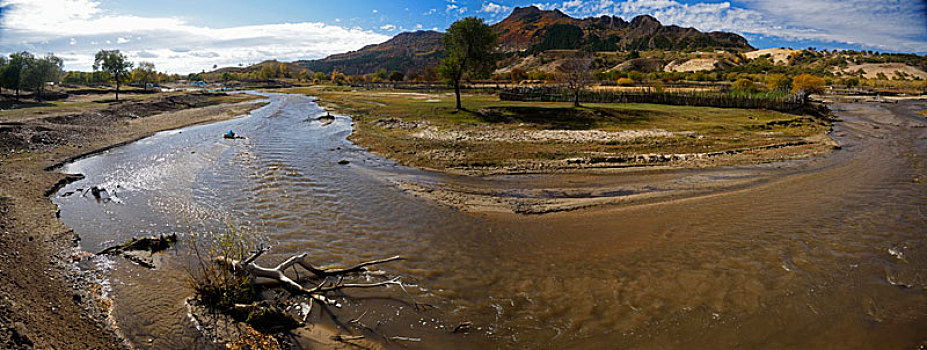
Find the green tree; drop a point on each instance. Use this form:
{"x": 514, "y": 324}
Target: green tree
{"x": 41, "y": 71}
{"x": 3, "y": 65}
{"x": 396, "y": 76}
{"x": 468, "y": 52}
{"x": 13, "y": 73}
{"x": 145, "y": 73}
{"x": 114, "y": 63}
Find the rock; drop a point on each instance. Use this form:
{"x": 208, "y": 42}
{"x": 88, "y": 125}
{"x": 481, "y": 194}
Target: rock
{"x": 20, "y": 333}
{"x": 343, "y": 161}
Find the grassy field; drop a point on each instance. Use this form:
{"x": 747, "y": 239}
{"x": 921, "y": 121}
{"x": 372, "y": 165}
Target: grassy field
{"x": 424, "y": 130}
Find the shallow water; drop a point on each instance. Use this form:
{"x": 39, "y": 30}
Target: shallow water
{"x": 828, "y": 252}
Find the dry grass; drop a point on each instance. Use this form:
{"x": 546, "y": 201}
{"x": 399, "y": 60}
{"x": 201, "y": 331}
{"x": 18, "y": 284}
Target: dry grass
{"x": 694, "y": 129}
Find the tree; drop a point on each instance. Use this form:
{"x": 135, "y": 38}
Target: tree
{"x": 144, "y": 74}
{"x": 3, "y": 65}
{"x": 778, "y": 82}
{"x": 575, "y": 74}
{"x": 114, "y": 63}
{"x": 267, "y": 73}
{"x": 41, "y": 71}
{"x": 468, "y": 52}
{"x": 303, "y": 75}
{"x": 396, "y": 76}
{"x": 808, "y": 84}
{"x": 517, "y": 75}
{"x": 13, "y": 73}
{"x": 744, "y": 85}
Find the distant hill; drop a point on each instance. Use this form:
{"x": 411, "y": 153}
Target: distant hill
{"x": 531, "y": 30}
{"x": 406, "y": 52}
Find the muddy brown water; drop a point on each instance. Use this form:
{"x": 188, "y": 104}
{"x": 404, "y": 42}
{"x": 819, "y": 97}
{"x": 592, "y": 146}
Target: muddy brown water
{"x": 823, "y": 253}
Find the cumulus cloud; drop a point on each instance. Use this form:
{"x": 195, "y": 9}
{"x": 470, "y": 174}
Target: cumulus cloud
{"x": 72, "y": 29}
{"x": 494, "y": 8}
{"x": 388, "y": 27}
{"x": 888, "y": 25}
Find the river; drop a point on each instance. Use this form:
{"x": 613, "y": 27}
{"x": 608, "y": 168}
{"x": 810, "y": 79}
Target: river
{"x": 831, "y": 256}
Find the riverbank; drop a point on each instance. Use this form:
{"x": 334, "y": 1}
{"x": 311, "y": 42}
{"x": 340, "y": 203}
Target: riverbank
{"x": 569, "y": 152}
{"x": 45, "y": 302}
{"x": 493, "y": 137}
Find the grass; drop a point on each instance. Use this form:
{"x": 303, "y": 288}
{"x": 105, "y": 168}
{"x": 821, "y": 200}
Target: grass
{"x": 712, "y": 129}
{"x": 215, "y": 285}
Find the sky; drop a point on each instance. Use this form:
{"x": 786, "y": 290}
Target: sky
{"x": 183, "y": 36}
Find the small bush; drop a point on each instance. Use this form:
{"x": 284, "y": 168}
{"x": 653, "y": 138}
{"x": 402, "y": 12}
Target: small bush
{"x": 744, "y": 85}
{"x": 625, "y": 82}
{"x": 215, "y": 285}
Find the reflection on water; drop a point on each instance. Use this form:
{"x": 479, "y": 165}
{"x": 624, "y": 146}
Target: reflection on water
{"x": 832, "y": 256}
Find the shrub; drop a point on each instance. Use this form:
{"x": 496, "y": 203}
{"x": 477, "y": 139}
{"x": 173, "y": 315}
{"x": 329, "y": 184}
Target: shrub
{"x": 808, "y": 83}
{"x": 778, "y": 82}
{"x": 215, "y": 285}
{"x": 625, "y": 82}
{"x": 744, "y": 85}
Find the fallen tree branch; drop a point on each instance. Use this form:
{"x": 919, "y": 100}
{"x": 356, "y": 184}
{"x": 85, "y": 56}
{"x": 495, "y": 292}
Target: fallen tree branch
{"x": 277, "y": 275}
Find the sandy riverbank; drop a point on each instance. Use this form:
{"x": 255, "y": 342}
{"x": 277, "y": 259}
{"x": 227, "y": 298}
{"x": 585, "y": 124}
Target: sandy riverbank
{"x": 45, "y": 302}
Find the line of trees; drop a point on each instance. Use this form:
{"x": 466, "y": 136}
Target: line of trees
{"x": 24, "y": 71}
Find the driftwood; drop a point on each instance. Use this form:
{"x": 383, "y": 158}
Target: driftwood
{"x": 276, "y": 276}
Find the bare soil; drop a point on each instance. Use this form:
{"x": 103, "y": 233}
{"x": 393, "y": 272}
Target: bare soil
{"x": 45, "y": 300}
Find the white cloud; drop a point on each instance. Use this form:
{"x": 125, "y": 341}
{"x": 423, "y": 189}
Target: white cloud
{"x": 72, "y": 29}
{"x": 888, "y": 25}
{"x": 375, "y": 11}
{"x": 496, "y": 9}
{"x": 418, "y": 26}
{"x": 430, "y": 12}
{"x": 388, "y": 27}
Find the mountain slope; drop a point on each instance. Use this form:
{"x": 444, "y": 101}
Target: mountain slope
{"x": 407, "y": 52}
{"x": 531, "y": 30}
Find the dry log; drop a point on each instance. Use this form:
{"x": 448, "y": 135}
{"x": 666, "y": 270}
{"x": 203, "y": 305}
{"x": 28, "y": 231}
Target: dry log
{"x": 276, "y": 275}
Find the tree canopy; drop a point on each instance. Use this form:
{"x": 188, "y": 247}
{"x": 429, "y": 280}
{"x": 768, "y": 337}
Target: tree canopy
{"x": 115, "y": 63}
{"x": 41, "y": 71}
{"x": 468, "y": 44}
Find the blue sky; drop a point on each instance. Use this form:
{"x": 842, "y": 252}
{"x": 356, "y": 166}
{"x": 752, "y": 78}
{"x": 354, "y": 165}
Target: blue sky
{"x": 186, "y": 36}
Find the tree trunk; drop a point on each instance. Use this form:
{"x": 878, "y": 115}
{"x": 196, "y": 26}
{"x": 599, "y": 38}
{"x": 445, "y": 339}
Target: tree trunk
{"x": 117, "y": 88}
{"x": 576, "y": 98}
{"x": 457, "y": 92}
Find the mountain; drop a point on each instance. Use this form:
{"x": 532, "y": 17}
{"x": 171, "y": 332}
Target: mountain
{"x": 535, "y": 30}
{"x": 530, "y": 30}
{"x": 408, "y": 52}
